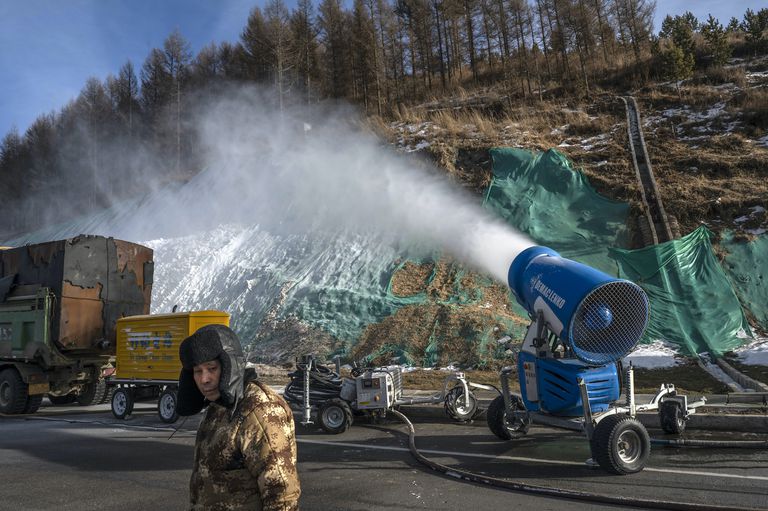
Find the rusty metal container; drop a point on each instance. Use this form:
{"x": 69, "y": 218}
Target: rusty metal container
{"x": 95, "y": 281}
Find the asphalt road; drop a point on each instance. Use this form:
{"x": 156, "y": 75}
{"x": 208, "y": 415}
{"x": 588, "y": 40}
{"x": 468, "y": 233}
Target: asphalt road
{"x": 82, "y": 459}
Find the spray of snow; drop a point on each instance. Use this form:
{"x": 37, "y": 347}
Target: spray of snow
{"x": 268, "y": 168}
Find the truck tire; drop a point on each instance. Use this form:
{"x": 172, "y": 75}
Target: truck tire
{"x": 33, "y": 403}
{"x": 13, "y": 392}
{"x": 122, "y": 403}
{"x": 92, "y": 393}
{"x": 166, "y": 406}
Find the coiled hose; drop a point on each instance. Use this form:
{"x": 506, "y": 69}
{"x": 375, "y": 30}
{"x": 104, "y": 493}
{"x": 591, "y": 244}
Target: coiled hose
{"x": 323, "y": 384}
{"x": 554, "y": 492}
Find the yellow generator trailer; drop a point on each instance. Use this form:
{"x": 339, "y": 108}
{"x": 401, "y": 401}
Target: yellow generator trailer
{"x": 147, "y": 359}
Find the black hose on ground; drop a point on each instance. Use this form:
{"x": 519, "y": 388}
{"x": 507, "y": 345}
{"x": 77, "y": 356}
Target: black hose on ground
{"x": 683, "y": 442}
{"x": 554, "y": 492}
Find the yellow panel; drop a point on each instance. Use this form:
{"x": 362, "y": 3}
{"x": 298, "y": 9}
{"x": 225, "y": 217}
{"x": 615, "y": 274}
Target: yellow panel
{"x": 148, "y": 346}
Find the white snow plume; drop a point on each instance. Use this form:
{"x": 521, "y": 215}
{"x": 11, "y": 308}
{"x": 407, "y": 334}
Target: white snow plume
{"x": 265, "y": 167}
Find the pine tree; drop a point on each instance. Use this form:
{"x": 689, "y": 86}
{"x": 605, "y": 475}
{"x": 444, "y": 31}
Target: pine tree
{"x": 717, "y": 41}
{"x": 254, "y": 44}
{"x": 124, "y": 93}
{"x": 754, "y": 25}
{"x": 176, "y": 58}
{"x": 305, "y": 46}
{"x": 334, "y": 30}
{"x": 677, "y": 65}
{"x": 280, "y": 55}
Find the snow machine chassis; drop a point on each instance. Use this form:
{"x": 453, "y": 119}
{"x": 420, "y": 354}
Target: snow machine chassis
{"x": 619, "y": 442}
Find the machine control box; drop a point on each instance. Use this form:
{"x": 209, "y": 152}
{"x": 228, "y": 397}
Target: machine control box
{"x": 375, "y": 390}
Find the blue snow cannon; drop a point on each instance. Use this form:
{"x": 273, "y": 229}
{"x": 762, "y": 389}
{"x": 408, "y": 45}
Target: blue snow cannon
{"x": 583, "y": 322}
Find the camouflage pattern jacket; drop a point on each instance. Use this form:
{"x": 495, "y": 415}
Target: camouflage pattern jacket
{"x": 246, "y": 460}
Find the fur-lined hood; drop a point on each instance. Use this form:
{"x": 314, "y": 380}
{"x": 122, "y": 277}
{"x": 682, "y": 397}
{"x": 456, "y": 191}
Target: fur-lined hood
{"x": 211, "y": 342}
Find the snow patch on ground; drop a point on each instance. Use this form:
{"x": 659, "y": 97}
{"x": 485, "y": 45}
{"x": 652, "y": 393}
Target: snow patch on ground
{"x": 657, "y": 355}
{"x": 755, "y": 353}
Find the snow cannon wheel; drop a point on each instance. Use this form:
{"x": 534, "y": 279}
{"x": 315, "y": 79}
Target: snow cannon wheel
{"x": 335, "y": 416}
{"x": 671, "y": 417}
{"x": 504, "y": 424}
{"x": 455, "y": 406}
{"x": 620, "y": 444}
{"x": 122, "y": 403}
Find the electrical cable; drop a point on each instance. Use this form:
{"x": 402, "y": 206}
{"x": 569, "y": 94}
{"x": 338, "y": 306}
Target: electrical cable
{"x": 555, "y": 492}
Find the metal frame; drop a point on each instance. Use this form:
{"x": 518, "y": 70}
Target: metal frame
{"x": 588, "y": 420}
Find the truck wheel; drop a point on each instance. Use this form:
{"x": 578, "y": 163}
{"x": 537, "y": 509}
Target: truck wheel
{"x": 63, "y": 400}
{"x": 33, "y": 403}
{"x": 92, "y": 393}
{"x": 505, "y": 425}
{"x": 335, "y": 416}
{"x": 13, "y": 392}
{"x": 455, "y": 406}
{"x": 166, "y": 406}
{"x": 671, "y": 417}
{"x": 122, "y": 403}
{"x": 620, "y": 444}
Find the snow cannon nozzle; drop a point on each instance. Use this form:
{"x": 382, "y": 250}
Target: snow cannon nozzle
{"x": 601, "y": 318}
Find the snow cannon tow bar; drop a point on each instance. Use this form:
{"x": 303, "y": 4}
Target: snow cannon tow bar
{"x": 583, "y": 322}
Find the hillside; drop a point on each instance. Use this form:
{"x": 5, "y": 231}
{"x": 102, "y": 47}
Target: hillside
{"x": 708, "y": 150}
{"x": 709, "y": 154}
{"x": 268, "y": 231}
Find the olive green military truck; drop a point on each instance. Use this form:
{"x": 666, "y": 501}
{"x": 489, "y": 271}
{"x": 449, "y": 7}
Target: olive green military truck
{"x": 59, "y": 304}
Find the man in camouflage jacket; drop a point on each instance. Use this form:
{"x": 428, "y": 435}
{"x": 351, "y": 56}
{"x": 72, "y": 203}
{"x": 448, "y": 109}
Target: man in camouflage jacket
{"x": 245, "y": 451}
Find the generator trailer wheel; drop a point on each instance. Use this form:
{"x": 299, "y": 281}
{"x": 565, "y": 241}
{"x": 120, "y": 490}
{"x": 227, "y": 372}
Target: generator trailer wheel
{"x": 335, "y": 416}
{"x": 122, "y": 403}
{"x": 166, "y": 406}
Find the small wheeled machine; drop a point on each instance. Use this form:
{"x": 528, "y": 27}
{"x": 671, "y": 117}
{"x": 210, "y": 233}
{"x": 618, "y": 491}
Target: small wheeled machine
{"x": 569, "y": 367}
{"x": 147, "y": 362}
{"x": 372, "y": 392}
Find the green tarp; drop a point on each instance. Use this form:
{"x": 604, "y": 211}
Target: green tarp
{"x": 543, "y": 196}
{"x": 692, "y": 301}
{"x": 746, "y": 263}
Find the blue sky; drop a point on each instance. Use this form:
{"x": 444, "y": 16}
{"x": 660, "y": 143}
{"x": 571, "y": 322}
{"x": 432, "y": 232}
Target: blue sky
{"x": 49, "y": 48}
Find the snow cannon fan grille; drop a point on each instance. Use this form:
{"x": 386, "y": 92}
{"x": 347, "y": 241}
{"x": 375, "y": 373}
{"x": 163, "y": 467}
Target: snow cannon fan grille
{"x": 609, "y": 322}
